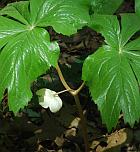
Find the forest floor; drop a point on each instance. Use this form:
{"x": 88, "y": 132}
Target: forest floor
{"x": 35, "y": 129}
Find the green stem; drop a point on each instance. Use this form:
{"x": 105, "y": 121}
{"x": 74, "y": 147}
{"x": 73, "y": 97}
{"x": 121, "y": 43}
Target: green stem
{"x": 74, "y": 93}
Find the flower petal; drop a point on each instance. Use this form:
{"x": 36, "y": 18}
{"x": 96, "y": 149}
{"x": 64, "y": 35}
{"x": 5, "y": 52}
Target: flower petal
{"x": 43, "y": 102}
{"x": 49, "y": 98}
{"x": 56, "y": 104}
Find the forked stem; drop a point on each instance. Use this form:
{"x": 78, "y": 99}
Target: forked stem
{"x": 74, "y": 93}
{"x": 71, "y": 91}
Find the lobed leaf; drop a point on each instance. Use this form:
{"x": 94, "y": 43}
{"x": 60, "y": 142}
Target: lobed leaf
{"x": 65, "y": 16}
{"x": 9, "y": 28}
{"x": 113, "y": 72}
{"x": 22, "y": 60}
{"x": 17, "y": 10}
{"x": 129, "y": 29}
{"x": 105, "y": 6}
{"x": 108, "y": 26}
{"x": 137, "y": 7}
{"x": 26, "y": 50}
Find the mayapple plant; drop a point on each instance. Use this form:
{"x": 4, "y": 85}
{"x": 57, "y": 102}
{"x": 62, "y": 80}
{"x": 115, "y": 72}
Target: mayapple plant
{"x": 26, "y": 50}
{"x": 112, "y": 73}
{"x": 115, "y": 76}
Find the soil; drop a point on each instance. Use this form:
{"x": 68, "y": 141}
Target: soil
{"x": 35, "y": 129}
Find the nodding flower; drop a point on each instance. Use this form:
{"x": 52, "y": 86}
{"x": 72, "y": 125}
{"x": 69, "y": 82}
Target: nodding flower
{"x": 49, "y": 99}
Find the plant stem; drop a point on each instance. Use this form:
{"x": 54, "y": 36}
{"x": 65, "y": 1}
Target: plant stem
{"x": 62, "y": 78}
{"x": 57, "y": 93}
{"x": 71, "y": 91}
{"x": 83, "y": 122}
{"x": 74, "y": 93}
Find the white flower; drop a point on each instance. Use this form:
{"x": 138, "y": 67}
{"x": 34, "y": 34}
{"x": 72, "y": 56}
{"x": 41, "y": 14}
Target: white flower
{"x": 49, "y": 99}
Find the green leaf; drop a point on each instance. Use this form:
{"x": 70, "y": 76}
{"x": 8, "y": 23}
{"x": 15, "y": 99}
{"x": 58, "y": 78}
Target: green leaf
{"x": 22, "y": 60}
{"x": 113, "y": 72}
{"x": 109, "y": 27}
{"x": 35, "y": 6}
{"x": 26, "y": 50}
{"x": 9, "y": 28}
{"x": 133, "y": 45}
{"x": 105, "y": 6}
{"x": 137, "y": 7}
{"x": 17, "y": 10}
{"x": 65, "y": 16}
{"x": 133, "y": 54}
{"x": 129, "y": 29}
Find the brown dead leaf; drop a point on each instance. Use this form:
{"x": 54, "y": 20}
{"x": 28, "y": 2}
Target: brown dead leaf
{"x": 116, "y": 140}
